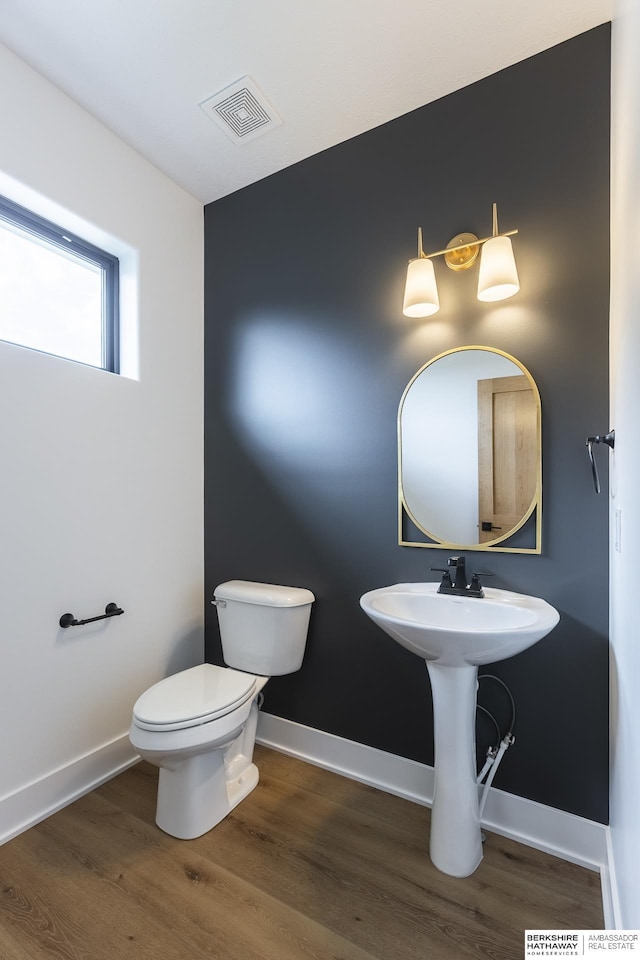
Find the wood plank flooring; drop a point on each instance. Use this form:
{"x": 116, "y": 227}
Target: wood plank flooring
{"x": 310, "y": 866}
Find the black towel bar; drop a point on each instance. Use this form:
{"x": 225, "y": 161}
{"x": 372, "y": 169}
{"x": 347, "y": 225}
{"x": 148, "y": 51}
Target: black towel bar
{"x": 111, "y": 610}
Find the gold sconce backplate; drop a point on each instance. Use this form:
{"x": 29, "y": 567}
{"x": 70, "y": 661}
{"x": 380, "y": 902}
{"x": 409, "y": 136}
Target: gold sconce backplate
{"x": 465, "y": 252}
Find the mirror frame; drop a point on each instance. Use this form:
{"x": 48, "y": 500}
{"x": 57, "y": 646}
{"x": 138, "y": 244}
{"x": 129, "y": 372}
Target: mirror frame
{"x": 491, "y": 546}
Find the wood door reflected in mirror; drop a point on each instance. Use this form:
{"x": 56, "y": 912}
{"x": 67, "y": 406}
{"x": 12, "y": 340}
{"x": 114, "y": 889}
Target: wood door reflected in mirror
{"x": 469, "y": 454}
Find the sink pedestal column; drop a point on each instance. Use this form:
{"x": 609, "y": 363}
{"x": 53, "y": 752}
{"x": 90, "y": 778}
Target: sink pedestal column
{"x": 456, "y": 843}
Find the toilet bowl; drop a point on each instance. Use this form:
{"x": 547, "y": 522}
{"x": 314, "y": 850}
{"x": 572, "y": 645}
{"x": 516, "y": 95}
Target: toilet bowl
{"x": 199, "y": 726}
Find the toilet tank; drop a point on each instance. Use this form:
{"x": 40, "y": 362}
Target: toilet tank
{"x": 263, "y": 626}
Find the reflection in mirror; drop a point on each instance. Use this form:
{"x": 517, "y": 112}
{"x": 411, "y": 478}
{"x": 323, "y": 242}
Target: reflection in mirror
{"x": 469, "y": 453}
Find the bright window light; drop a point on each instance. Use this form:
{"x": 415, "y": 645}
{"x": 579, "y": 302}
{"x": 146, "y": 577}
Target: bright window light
{"x": 58, "y": 293}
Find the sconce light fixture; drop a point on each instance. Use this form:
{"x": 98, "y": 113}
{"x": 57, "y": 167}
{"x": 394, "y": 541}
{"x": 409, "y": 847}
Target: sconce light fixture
{"x": 497, "y": 278}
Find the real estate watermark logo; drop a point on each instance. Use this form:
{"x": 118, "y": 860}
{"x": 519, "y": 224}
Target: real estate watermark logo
{"x": 580, "y": 943}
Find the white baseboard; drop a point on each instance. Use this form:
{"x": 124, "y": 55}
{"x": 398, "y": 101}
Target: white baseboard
{"x": 562, "y": 834}
{"x": 610, "y": 893}
{"x": 39, "y": 799}
{"x": 393, "y": 774}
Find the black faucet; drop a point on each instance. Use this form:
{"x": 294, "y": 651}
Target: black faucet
{"x": 459, "y": 586}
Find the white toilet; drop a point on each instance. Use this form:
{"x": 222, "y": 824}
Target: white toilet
{"x": 199, "y": 726}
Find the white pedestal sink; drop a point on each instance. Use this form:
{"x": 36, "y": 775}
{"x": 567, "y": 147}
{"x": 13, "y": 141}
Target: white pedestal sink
{"x": 455, "y": 635}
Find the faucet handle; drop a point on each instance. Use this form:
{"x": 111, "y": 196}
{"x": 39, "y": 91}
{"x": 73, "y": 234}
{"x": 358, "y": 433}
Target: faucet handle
{"x": 446, "y": 576}
{"x": 475, "y": 587}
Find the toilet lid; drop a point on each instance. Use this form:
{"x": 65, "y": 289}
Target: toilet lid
{"x": 193, "y": 697}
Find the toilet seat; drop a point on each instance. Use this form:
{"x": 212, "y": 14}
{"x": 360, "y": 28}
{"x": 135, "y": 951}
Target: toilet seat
{"x": 193, "y": 697}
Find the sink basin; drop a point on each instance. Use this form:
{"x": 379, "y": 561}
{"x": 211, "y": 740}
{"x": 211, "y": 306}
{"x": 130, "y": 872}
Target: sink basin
{"x": 454, "y": 631}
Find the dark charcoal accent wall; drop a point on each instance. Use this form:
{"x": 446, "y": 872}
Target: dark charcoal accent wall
{"x": 307, "y": 355}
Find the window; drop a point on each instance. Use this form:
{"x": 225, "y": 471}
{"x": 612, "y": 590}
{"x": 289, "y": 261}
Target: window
{"x": 58, "y": 293}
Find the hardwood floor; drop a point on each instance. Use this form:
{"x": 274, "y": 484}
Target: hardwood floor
{"x": 310, "y": 866}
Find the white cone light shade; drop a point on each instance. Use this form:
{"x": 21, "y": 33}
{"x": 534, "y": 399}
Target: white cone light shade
{"x": 421, "y": 292}
{"x": 498, "y": 277}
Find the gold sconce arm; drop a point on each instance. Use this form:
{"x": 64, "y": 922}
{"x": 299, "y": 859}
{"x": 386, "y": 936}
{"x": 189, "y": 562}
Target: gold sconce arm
{"x": 477, "y": 241}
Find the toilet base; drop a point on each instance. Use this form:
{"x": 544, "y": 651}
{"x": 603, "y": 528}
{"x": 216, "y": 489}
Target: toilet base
{"x": 239, "y": 788}
{"x": 196, "y": 796}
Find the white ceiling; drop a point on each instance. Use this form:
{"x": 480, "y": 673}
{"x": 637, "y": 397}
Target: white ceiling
{"x": 331, "y": 68}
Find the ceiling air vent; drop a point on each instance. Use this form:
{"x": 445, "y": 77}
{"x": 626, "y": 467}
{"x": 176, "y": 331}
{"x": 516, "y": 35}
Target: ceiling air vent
{"x": 241, "y": 111}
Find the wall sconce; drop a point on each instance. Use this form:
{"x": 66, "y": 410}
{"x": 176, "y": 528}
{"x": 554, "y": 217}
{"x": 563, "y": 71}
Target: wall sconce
{"x": 497, "y": 278}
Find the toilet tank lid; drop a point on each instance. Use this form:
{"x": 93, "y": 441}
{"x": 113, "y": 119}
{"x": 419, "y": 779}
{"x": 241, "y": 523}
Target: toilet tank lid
{"x": 266, "y": 594}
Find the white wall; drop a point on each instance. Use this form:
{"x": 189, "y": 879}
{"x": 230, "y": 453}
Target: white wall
{"x": 625, "y": 484}
{"x": 101, "y": 476}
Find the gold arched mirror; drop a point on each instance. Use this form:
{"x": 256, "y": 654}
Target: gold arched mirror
{"x": 469, "y": 454}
